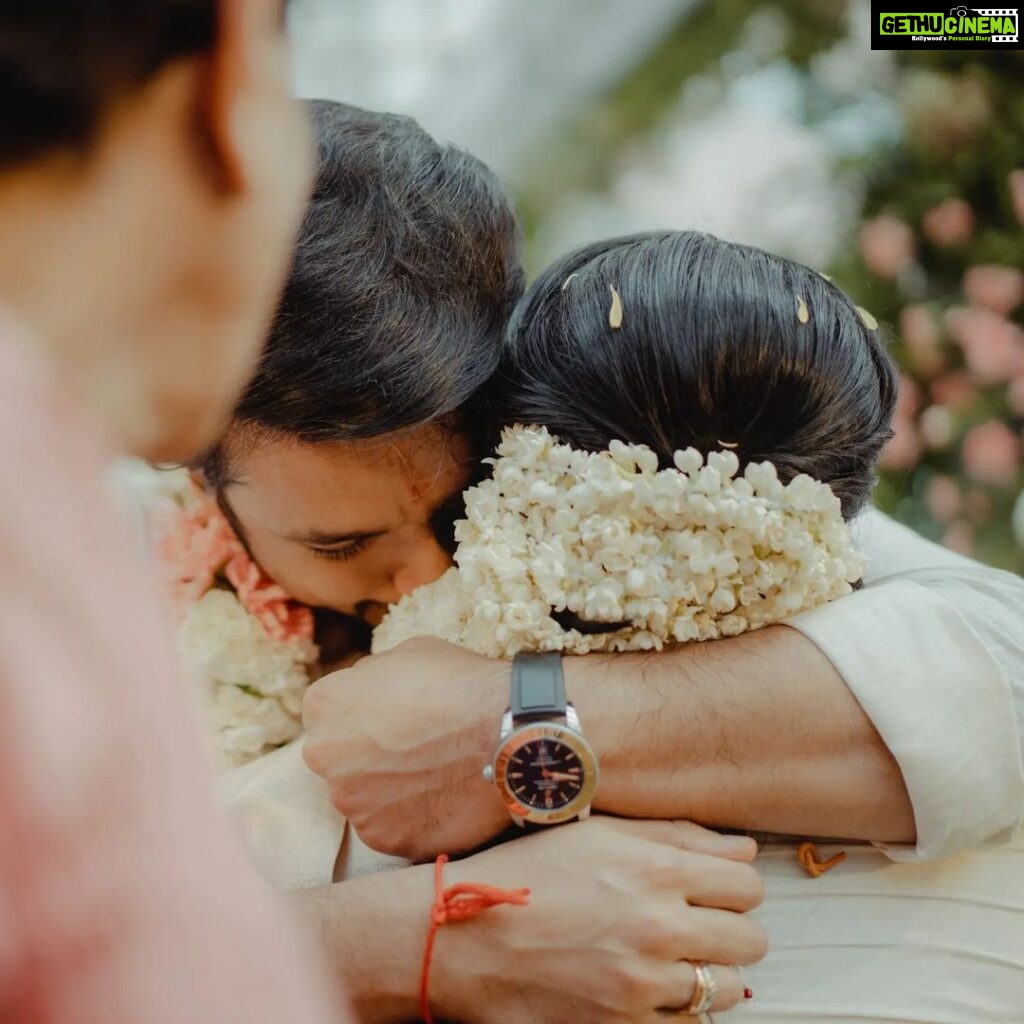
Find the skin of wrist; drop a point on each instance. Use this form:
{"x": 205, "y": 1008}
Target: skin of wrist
{"x": 374, "y": 929}
{"x": 613, "y": 711}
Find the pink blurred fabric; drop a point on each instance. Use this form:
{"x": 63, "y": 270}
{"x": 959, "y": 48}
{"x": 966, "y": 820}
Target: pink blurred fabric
{"x": 123, "y": 897}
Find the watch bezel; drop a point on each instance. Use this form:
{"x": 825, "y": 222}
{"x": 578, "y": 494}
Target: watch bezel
{"x": 529, "y": 733}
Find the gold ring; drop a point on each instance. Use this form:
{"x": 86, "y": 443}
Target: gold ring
{"x": 703, "y": 991}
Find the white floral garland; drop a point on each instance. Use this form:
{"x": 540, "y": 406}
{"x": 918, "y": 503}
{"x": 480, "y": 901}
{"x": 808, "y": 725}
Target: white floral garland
{"x": 691, "y": 553}
{"x": 246, "y": 648}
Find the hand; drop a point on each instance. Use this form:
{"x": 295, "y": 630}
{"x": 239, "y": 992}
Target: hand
{"x": 616, "y": 910}
{"x": 401, "y": 739}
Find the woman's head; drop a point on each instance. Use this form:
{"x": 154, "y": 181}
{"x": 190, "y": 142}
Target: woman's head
{"x": 719, "y": 345}
{"x": 356, "y": 432}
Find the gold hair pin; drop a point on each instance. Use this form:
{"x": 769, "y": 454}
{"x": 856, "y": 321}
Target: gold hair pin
{"x": 801, "y": 311}
{"x": 565, "y": 283}
{"x": 869, "y": 321}
{"x": 615, "y": 313}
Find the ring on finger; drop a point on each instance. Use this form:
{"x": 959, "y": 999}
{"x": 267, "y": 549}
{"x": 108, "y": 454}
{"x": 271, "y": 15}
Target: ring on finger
{"x": 703, "y": 991}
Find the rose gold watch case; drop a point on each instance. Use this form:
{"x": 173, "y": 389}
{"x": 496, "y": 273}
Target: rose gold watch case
{"x": 579, "y": 806}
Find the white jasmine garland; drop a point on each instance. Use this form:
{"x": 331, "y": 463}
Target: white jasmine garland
{"x": 250, "y": 684}
{"x": 691, "y": 553}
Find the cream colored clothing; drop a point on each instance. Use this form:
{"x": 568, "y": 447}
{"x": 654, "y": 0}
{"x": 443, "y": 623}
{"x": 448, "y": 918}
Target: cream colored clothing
{"x": 878, "y": 942}
{"x": 284, "y": 815}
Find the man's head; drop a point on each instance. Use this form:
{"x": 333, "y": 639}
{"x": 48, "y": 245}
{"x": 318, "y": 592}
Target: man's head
{"x": 355, "y": 438}
{"x": 152, "y": 173}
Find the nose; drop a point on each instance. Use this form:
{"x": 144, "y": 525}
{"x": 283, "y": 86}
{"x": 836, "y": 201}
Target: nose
{"x": 425, "y": 561}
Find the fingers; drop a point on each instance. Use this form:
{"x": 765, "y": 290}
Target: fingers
{"x": 677, "y": 986}
{"x": 686, "y": 835}
{"x": 717, "y": 936}
{"x": 714, "y": 882}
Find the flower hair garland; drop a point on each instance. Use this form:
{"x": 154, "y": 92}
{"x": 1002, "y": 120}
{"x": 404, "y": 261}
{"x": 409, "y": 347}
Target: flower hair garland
{"x": 565, "y": 550}
{"x": 246, "y": 645}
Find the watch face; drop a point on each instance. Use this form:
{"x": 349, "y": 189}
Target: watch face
{"x": 547, "y": 772}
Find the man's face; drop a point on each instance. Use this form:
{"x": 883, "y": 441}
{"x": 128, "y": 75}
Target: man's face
{"x": 348, "y": 526}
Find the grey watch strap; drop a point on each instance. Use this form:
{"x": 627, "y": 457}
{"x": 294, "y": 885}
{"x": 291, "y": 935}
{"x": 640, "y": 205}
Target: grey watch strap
{"x": 538, "y": 687}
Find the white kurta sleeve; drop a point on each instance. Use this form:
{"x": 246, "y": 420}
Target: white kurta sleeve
{"x": 933, "y": 649}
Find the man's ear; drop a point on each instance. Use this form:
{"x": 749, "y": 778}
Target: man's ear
{"x": 244, "y": 30}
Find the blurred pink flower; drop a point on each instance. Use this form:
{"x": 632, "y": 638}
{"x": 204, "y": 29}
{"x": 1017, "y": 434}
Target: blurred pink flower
{"x": 1000, "y": 289}
{"x": 960, "y": 538}
{"x": 887, "y": 245}
{"x": 978, "y": 505}
{"x": 943, "y": 498}
{"x": 948, "y": 224}
{"x": 918, "y": 327}
{"x": 991, "y": 453}
{"x": 908, "y": 398}
{"x": 936, "y": 426}
{"x": 919, "y": 330}
{"x": 954, "y": 390}
{"x": 1015, "y": 395}
{"x": 993, "y": 346}
{"x": 903, "y": 451}
{"x": 1017, "y": 193}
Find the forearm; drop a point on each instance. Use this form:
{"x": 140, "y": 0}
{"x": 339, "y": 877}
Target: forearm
{"x": 755, "y": 732}
{"x": 373, "y": 930}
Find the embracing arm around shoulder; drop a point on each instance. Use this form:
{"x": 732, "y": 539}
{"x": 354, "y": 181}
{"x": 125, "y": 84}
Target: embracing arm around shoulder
{"x": 893, "y": 715}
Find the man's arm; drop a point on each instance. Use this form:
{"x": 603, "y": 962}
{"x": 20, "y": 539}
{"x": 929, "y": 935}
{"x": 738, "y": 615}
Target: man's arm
{"x": 756, "y": 732}
{"x": 810, "y": 729}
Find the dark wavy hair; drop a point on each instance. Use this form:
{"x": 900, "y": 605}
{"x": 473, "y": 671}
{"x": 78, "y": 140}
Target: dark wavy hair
{"x": 65, "y": 63}
{"x": 710, "y": 351}
{"x": 405, "y": 273}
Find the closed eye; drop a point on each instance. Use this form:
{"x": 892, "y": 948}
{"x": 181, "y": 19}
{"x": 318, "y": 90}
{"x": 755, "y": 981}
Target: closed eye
{"x": 343, "y": 554}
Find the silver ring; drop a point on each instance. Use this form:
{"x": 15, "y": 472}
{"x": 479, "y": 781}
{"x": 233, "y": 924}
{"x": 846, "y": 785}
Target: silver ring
{"x": 703, "y": 991}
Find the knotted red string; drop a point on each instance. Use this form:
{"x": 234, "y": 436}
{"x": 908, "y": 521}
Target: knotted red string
{"x": 808, "y": 855}
{"x": 458, "y": 903}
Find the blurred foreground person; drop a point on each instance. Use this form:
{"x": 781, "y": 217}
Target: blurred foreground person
{"x": 152, "y": 171}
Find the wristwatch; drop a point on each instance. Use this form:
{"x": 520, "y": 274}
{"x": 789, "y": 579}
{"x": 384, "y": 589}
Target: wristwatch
{"x": 545, "y": 771}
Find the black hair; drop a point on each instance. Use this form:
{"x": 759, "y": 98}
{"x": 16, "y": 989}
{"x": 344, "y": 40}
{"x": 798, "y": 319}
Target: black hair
{"x": 405, "y": 273}
{"x": 64, "y": 63}
{"x": 719, "y": 344}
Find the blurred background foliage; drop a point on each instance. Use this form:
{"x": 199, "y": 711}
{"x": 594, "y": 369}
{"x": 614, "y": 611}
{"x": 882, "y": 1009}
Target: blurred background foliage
{"x": 899, "y": 173}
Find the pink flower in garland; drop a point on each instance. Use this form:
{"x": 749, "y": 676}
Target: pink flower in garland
{"x": 280, "y": 616}
{"x": 198, "y": 550}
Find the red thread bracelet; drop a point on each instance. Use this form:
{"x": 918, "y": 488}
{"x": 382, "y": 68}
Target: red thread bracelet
{"x": 458, "y": 903}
